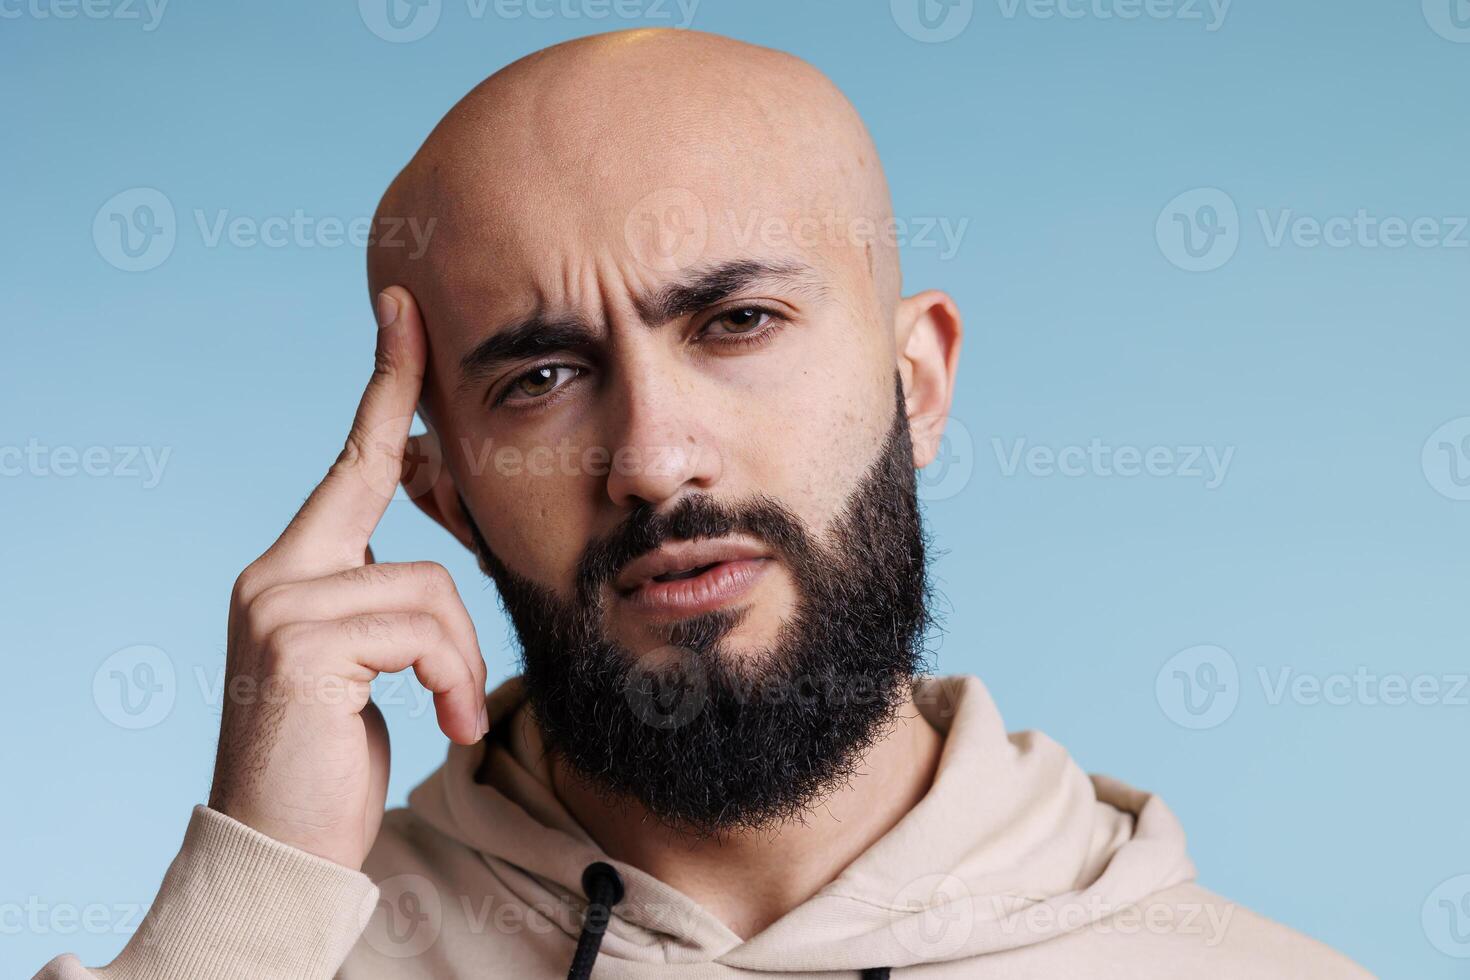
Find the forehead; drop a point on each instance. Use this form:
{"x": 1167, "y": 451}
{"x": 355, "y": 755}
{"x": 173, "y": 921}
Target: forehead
{"x": 555, "y": 241}
{"x": 533, "y": 183}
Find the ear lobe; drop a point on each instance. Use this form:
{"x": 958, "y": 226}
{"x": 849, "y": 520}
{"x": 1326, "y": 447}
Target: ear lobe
{"x": 429, "y": 484}
{"x": 928, "y": 331}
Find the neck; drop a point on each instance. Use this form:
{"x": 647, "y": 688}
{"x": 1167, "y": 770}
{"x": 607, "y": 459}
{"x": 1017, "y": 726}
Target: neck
{"x": 749, "y": 880}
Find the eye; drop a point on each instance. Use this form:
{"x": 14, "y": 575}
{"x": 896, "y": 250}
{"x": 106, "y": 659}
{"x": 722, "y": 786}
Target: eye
{"x": 538, "y": 382}
{"x": 741, "y": 320}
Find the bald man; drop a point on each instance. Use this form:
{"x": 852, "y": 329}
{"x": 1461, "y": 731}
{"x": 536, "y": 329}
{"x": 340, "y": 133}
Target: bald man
{"x": 675, "y": 402}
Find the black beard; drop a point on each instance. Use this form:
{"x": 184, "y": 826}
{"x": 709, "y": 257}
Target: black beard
{"x": 707, "y": 740}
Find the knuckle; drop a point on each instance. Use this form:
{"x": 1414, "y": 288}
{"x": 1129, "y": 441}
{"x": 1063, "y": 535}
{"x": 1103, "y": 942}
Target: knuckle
{"x": 285, "y": 646}
{"x": 352, "y": 451}
{"x": 434, "y": 577}
{"x": 366, "y": 627}
{"x": 384, "y": 365}
{"x": 247, "y": 585}
{"x": 263, "y": 608}
{"x": 366, "y": 575}
{"x": 423, "y": 626}
{"x": 252, "y": 635}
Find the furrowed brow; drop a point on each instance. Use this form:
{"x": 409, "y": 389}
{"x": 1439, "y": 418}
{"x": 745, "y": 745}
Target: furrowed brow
{"x": 534, "y": 336}
{"x": 704, "y": 288}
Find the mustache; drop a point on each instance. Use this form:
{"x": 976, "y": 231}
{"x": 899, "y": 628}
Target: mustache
{"x": 696, "y": 516}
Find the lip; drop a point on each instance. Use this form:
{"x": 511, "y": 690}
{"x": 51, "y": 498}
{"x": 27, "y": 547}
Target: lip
{"x": 735, "y": 565}
{"x": 719, "y": 585}
{"x": 679, "y": 555}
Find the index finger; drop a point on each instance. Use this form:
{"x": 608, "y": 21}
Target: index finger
{"x": 331, "y": 530}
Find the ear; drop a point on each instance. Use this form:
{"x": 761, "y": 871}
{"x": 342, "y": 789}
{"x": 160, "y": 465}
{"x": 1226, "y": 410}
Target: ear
{"x": 928, "y": 332}
{"x": 429, "y": 484}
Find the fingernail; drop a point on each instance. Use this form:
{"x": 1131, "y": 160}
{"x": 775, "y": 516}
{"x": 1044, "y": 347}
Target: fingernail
{"x": 484, "y": 720}
{"x": 387, "y": 310}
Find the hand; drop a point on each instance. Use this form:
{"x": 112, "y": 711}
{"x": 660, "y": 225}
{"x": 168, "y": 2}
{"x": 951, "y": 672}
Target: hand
{"x": 303, "y": 752}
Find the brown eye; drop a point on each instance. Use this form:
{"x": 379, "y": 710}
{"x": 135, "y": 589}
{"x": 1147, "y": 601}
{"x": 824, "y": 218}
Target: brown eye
{"x": 537, "y": 382}
{"x": 743, "y": 320}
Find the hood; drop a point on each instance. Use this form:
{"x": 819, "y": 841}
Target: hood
{"x": 1013, "y": 845}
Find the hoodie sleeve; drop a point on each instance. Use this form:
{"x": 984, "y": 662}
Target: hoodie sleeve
{"x": 238, "y": 904}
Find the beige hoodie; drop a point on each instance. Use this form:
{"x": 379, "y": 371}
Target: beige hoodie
{"x": 1015, "y": 865}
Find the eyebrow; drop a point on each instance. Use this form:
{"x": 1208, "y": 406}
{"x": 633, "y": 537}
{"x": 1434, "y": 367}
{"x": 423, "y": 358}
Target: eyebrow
{"x": 526, "y": 338}
{"x": 541, "y": 333}
{"x": 704, "y": 288}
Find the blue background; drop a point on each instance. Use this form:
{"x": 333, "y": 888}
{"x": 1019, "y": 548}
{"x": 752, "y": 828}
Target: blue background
{"x": 1330, "y": 545}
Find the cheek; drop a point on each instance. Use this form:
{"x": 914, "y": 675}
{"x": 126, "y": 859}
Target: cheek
{"x": 534, "y": 506}
{"x": 819, "y": 433}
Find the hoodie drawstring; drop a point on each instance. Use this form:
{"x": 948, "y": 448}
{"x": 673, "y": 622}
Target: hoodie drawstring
{"x": 603, "y": 887}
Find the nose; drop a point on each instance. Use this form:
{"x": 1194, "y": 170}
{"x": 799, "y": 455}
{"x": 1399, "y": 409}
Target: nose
{"x": 659, "y": 443}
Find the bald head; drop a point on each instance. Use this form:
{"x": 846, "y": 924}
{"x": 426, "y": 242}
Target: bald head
{"x": 656, "y": 151}
{"x": 661, "y": 273}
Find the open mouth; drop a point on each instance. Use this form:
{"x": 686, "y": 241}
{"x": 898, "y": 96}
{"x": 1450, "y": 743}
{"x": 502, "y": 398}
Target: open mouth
{"x": 686, "y": 573}
{"x": 697, "y": 589}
